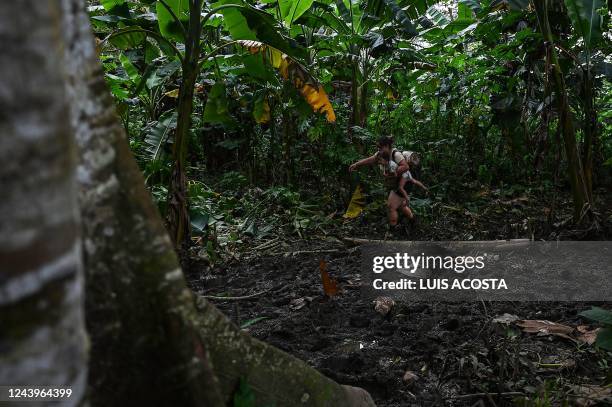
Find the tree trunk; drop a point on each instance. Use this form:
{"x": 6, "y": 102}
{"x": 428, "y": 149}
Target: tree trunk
{"x": 580, "y": 192}
{"x": 274, "y": 149}
{"x": 288, "y": 132}
{"x": 355, "y": 104}
{"x": 363, "y": 95}
{"x": 42, "y": 334}
{"x": 178, "y": 212}
{"x": 144, "y": 345}
{"x": 590, "y": 128}
{"x": 149, "y": 344}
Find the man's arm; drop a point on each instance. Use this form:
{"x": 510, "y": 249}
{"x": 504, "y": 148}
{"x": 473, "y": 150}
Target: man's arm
{"x": 402, "y": 167}
{"x": 402, "y": 164}
{"x": 366, "y": 161}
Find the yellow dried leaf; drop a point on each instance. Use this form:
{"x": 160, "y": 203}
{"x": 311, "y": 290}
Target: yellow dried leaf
{"x": 276, "y": 57}
{"x": 262, "y": 116}
{"x": 289, "y": 69}
{"x": 284, "y": 68}
{"x": 356, "y": 205}
{"x": 172, "y": 94}
{"x": 318, "y": 100}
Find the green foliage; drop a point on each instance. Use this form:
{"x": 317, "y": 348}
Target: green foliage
{"x": 604, "y": 336}
{"x": 474, "y": 5}
{"x": 402, "y": 18}
{"x": 173, "y": 18}
{"x": 129, "y": 68}
{"x": 157, "y": 134}
{"x": 247, "y": 23}
{"x": 599, "y": 315}
{"x": 128, "y": 38}
{"x": 292, "y": 10}
{"x": 244, "y": 396}
{"x": 466, "y": 84}
{"x": 216, "y": 110}
{"x": 232, "y": 181}
{"x": 587, "y": 19}
{"x": 116, "y": 7}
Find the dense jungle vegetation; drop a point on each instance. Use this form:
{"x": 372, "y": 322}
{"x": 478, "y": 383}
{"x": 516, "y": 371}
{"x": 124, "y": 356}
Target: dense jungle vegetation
{"x": 235, "y": 271}
{"x": 503, "y": 99}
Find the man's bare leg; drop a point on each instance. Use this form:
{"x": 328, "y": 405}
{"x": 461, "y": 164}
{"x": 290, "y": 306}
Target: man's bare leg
{"x": 407, "y": 211}
{"x": 393, "y": 216}
{"x": 394, "y": 201}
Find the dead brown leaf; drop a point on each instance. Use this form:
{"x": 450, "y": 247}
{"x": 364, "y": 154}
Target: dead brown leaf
{"x": 591, "y": 394}
{"x": 542, "y": 327}
{"x": 410, "y": 377}
{"x": 330, "y": 286}
{"x": 586, "y": 335}
{"x": 505, "y": 319}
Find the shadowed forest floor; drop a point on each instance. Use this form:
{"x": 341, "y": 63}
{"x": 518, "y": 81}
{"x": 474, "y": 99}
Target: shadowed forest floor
{"x": 455, "y": 350}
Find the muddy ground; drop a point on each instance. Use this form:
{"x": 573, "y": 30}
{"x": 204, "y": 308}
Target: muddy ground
{"x": 454, "y": 350}
{"x": 454, "y": 353}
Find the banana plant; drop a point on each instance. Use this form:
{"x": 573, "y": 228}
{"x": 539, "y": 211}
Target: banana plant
{"x": 180, "y": 29}
{"x": 359, "y": 33}
{"x": 588, "y": 21}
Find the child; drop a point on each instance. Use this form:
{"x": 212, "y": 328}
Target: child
{"x": 390, "y": 167}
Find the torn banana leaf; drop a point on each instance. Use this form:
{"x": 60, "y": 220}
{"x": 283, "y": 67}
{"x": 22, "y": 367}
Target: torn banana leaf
{"x": 293, "y": 71}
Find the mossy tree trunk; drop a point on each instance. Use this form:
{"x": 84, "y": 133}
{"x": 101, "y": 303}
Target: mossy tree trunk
{"x": 42, "y": 327}
{"x": 150, "y": 344}
{"x": 145, "y": 347}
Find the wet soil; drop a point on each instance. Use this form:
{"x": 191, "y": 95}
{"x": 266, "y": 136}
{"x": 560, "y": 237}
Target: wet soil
{"x": 455, "y": 354}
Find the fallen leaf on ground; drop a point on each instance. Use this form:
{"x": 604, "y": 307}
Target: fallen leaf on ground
{"x": 383, "y": 305}
{"x": 299, "y": 303}
{"x": 410, "y": 377}
{"x": 505, "y": 319}
{"x": 587, "y": 336}
{"x": 330, "y": 286}
{"x": 541, "y": 327}
{"x": 592, "y": 394}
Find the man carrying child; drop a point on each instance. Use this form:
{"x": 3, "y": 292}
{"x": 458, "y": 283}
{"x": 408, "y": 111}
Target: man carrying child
{"x": 396, "y": 170}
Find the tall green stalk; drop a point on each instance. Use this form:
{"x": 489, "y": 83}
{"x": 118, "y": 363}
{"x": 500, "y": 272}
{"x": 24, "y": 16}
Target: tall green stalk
{"x": 580, "y": 194}
{"x": 178, "y": 214}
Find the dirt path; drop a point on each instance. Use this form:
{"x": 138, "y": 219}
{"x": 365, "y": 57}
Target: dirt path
{"x": 454, "y": 349}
